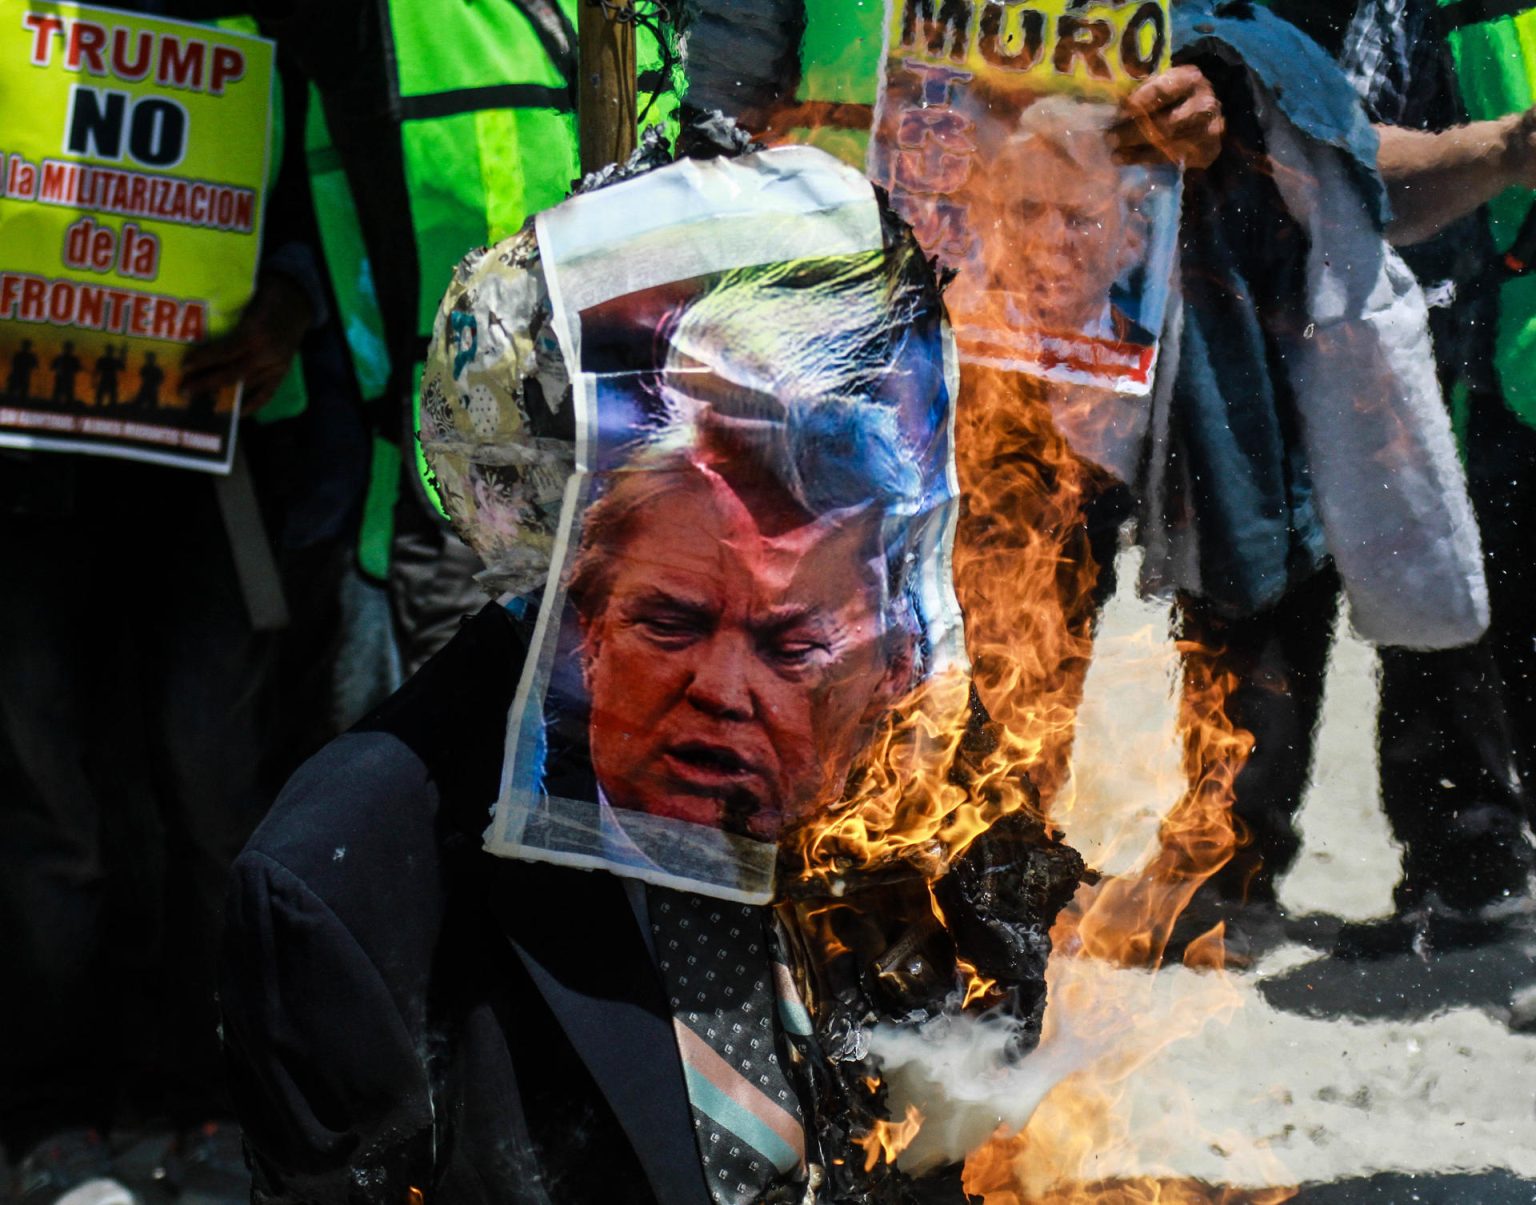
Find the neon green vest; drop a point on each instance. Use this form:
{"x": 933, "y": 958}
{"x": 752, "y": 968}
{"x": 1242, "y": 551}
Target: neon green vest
{"x": 488, "y": 134}
{"x": 840, "y": 67}
{"x": 488, "y": 130}
{"x": 1494, "y": 45}
{"x": 475, "y": 176}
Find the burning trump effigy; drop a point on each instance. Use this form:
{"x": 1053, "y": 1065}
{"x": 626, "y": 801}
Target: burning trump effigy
{"x": 702, "y": 810}
{"x": 750, "y": 569}
{"x": 749, "y": 584}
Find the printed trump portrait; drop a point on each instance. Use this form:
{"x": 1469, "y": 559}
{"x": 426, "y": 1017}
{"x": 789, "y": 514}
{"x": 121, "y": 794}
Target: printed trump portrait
{"x": 754, "y": 569}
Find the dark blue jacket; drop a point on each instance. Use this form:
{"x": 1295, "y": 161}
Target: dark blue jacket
{"x": 402, "y": 1010}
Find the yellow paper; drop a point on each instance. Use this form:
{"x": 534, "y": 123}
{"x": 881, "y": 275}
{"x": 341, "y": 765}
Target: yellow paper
{"x": 1096, "y": 50}
{"x": 991, "y": 137}
{"x": 135, "y": 154}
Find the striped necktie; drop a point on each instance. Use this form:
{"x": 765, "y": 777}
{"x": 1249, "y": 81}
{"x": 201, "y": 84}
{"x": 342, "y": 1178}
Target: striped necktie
{"x": 719, "y": 963}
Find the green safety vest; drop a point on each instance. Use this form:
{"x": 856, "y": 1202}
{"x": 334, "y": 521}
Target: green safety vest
{"x": 1493, "y": 43}
{"x": 840, "y": 51}
{"x": 488, "y": 127}
{"x": 488, "y": 135}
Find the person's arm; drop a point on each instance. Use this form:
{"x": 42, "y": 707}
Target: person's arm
{"x": 1434, "y": 179}
{"x": 333, "y": 918}
{"x": 258, "y": 351}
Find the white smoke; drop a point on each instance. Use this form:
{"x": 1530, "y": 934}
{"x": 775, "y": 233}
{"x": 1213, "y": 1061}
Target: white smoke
{"x": 965, "y": 1079}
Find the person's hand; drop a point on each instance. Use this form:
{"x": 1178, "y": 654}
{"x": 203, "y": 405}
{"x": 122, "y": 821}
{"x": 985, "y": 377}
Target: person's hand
{"x": 258, "y": 351}
{"x": 1173, "y": 117}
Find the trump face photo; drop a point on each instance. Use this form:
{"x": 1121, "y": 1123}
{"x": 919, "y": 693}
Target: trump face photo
{"x": 735, "y": 649}
{"x": 753, "y": 571}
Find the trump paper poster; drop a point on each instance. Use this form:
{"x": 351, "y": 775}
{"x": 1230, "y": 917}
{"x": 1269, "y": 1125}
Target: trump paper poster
{"x": 991, "y": 133}
{"x": 752, "y": 566}
{"x": 987, "y": 125}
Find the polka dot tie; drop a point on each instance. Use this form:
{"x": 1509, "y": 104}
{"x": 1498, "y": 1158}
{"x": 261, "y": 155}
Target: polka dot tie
{"x": 717, "y": 962}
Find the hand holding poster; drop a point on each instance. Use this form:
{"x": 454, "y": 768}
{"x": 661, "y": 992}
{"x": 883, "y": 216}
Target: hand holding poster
{"x": 751, "y": 563}
{"x": 134, "y": 165}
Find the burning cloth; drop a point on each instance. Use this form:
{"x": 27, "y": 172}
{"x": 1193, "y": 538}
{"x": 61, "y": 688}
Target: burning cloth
{"x": 747, "y": 541}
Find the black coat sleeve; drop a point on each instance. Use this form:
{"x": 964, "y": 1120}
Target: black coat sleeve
{"x": 333, "y": 913}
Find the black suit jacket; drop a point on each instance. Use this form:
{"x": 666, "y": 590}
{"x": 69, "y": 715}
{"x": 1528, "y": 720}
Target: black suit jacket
{"x": 405, "y": 1011}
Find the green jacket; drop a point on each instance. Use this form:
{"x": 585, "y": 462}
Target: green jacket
{"x": 1489, "y": 40}
{"x": 441, "y": 126}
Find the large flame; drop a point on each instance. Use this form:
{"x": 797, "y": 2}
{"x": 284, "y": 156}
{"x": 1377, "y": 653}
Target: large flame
{"x": 1025, "y": 577}
{"x": 1123, "y": 1019}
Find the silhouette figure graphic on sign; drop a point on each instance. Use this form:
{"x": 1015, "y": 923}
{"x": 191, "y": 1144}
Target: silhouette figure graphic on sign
{"x": 66, "y": 367}
{"x": 108, "y": 366}
{"x": 18, "y": 385}
{"x": 151, "y": 377}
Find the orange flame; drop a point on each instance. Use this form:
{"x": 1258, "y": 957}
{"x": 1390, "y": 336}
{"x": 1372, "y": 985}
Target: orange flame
{"x": 1130, "y": 919}
{"x": 1126, "y": 1017}
{"x": 889, "y": 1138}
{"x": 1025, "y": 576}
{"x": 977, "y": 986}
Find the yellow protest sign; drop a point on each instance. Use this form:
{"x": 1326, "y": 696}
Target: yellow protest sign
{"x": 135, "y": 163}
{"x": 991, "y": 134}
{"x": 1090, "y": 48}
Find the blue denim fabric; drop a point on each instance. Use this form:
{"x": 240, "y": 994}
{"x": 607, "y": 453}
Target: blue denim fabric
{"x": 1244, "y": 284}
{"x": 1307, "y": 84}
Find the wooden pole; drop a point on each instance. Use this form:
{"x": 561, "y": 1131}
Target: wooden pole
{"x": 606, "y": 105}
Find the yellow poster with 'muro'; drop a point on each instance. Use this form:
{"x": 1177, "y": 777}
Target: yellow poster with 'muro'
{"x": 991, "y": 134}
{"x": 1092, "y": 48}
{"x": 133, "y": 171}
